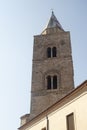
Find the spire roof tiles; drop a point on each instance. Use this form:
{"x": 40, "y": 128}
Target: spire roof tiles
{"x": 53, "y": 24}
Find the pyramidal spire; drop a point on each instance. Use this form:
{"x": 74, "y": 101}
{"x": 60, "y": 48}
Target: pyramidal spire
{"x": 53, "y": 23}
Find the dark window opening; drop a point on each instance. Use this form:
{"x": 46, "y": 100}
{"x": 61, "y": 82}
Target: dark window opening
{"x": 48, "y": 82}
{"x": 55, "y": 82}
{"x": 48, "y": 52}
{"x": 43, "y": 128}
{"x": 52, "y": 82}
{"x": 70, "y": 122}
{"x": 54, "y": 52}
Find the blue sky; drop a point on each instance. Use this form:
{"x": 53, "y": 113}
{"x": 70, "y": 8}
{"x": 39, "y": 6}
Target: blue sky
{"x": 20, "y": 20}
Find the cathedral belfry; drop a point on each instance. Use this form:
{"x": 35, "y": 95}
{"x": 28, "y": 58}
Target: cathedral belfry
{"x": 52, "y": 68}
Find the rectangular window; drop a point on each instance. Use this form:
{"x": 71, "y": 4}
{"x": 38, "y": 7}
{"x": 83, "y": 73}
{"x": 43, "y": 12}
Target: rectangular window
{"x": 70, "y": 122}
{"x": 43, "y": 128}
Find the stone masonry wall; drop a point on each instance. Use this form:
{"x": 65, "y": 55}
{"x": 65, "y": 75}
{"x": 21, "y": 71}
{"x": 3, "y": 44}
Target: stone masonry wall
{"x": 62, "y": 66}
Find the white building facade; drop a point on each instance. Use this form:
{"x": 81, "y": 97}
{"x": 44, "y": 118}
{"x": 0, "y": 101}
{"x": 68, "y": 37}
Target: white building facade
{"x": 69, "y": 113}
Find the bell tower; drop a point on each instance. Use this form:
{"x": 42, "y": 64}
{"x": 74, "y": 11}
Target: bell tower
{"x": 52, "y": 70}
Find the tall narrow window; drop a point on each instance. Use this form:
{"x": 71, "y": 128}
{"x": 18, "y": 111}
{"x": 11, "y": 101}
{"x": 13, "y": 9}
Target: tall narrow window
{"x": 52, "y": 82}
{"x": 55, "y": 82}
{"x": 70, "y": 122}
{"x": 48, "y": 52}
{"x": 48, "y": 82}
{"x": 54, "y": 51}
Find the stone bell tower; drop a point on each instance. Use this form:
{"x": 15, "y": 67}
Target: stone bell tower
{"x": 52, "y": 69}
{"x": 52, "y": 72}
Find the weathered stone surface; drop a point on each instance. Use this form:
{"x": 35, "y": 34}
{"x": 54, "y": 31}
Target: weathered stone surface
{"x": 62, "y": 66}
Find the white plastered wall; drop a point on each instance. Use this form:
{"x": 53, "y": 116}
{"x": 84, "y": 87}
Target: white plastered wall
{"x": 57, "y": 119}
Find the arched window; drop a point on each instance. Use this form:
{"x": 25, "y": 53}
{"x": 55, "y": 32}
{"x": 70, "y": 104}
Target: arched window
{"x": 48, "y": 82}
{"x": 54, "y": 52}
{"x": 52, "y": 82}
{"x": 48, "y": 52}
{"x": 55, "y": 82}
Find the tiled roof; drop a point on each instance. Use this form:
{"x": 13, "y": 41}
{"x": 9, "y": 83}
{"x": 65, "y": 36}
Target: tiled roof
{"x": 53, "y": 22}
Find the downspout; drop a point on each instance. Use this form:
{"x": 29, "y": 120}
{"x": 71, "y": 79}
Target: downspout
{"x": 47, "y": 122}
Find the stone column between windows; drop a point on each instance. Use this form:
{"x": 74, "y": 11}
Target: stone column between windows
{"x": 51, "y": 53}
{"x": 51, "y": 82}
